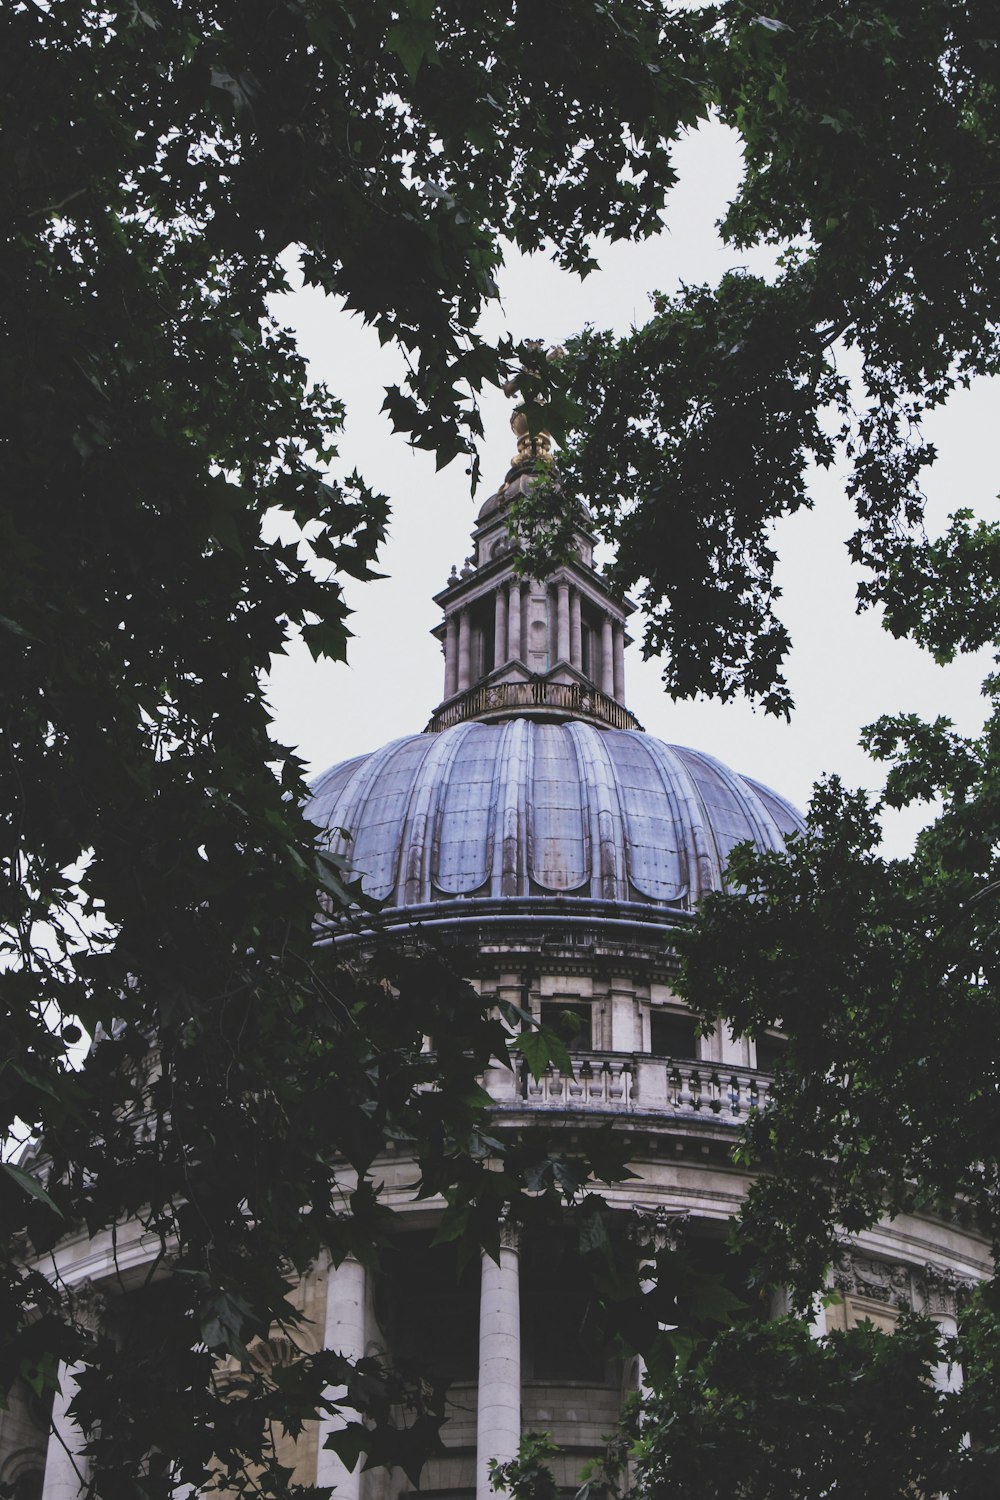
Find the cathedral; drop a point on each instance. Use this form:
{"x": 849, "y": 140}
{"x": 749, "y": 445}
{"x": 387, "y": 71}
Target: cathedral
{"x": 537, "y": 828}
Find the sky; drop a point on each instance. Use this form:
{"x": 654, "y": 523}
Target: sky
{"x": 844, "y": 670}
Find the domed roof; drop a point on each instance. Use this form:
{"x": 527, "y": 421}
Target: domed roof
{"x": 528, "y": 809}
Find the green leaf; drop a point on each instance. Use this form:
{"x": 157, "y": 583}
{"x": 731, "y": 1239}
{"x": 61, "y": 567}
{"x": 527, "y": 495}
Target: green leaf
{"x": 30, "y": 1185}
{"x": 414, "y": 42}
{"x": 541, "y": 1049}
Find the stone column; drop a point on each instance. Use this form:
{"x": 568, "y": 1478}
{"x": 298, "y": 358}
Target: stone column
{"x": 607, "y": 657}
{"x": 67, "y": 1471}
{"x": 575, "y": 631}
{"x": 500, "y": 628}
{"x": 562, "y": 621}
{"x": 451, "y": 657}
{"x": 514, "y": 622}
{"x": 344, "y": 1332}
{"x": 498, "y": 1421}
{"x": 464, "y": 651}
{"x": 944, "y": 1376}
{"x": 619, "y": 661}
{"x": 940, "y": 1288}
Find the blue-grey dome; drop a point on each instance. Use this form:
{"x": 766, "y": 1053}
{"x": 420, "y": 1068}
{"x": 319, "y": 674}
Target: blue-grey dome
{"x": 531, "y": 809}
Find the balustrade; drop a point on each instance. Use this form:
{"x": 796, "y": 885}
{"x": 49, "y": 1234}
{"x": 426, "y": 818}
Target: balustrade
{"x": 499, "y": 697}
{"x": 657, "y": 1085}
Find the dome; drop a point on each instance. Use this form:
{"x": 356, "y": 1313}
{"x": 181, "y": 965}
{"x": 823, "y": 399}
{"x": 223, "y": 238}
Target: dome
{"x": 528, "y": 809}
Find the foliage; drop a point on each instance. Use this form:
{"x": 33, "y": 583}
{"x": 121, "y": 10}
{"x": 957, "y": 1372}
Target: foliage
{"x": 160, "y": 162}
{"x": 769, "y": 1413}
{"x": 164, "y": 163}
{"x": 870, "y": 135}
{"x": 883, "y": 975}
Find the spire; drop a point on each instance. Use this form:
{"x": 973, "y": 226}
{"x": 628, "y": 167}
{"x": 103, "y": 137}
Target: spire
{"x": 517, "y": 647}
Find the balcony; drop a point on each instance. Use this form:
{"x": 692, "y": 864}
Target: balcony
{"x": 537, "y": 699}
{"x": 637, "y": 1083}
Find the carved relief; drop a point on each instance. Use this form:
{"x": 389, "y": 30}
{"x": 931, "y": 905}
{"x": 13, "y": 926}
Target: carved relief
{"x": 877, "y": 1280}
{"x": 942, "y": 1291}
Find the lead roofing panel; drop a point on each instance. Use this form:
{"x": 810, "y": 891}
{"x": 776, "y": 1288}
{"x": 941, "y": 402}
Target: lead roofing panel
{"x": 735, "y": 814}
{"x": 607, "y": 834}
{"x": 375, "y": 807}
{"x": 788, "y": 819}
{"x": 463, "y": 830}
{"x": 558, "y": 836}
{"x": 654, "y": 819}
{"x": 326, "y": 791}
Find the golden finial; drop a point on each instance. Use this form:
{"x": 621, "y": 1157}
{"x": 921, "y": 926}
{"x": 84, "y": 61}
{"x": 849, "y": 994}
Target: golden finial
{"x": 537, "y": 445}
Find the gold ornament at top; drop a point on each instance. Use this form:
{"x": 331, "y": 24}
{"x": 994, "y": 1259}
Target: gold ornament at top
{"x": 537, "y": 446}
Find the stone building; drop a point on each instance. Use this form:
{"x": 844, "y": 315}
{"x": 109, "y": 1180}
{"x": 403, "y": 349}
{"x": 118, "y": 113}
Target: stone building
{"x": 534, "y": 823}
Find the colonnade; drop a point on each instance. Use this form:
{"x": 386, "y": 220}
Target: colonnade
{"x": 346, "y": 1330}
{"x": 498, "y": 1414}
{"x": 565, "y": 629}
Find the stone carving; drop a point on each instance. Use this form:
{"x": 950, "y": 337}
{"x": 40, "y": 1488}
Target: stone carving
{"x": 86, "y": 1305}
{"x": 880, "y": 1280}
{"x": 661, "y": 1228}
{"x": 942, "y": 1290}
{"x": 510, "y": 1234}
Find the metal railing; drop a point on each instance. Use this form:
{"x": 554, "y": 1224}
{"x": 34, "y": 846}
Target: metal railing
{"x": 561, "y": 697}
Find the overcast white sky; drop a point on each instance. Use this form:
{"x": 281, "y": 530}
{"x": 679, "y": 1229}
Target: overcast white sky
{"x": 844, "y": 670}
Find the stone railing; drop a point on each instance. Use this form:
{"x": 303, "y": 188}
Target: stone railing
{"x": 603, "y": 1080}
{"x": 539, "y": 697}
{"x": 643, "y": 1084}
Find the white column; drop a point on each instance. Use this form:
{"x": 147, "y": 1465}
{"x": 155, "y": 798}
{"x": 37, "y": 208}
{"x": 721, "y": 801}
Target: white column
{"x": 607, "y": 658}
{"x": 947, "y": 1377}
{"x": 464, "y": 651}
{"x": 498, "y": 1422}
{"x": 619, "y": 661}
{"x": 345, "y": 1333}
{"x": 514, "y": 622}
{"x": 562, "y": 621}
{"x": 575, "y": 631}
{"x": 452, "y": 657}
{"x": 500, "y": 628}
{"x": 817, "y": 1318}
{"x": 66, "y": 1470}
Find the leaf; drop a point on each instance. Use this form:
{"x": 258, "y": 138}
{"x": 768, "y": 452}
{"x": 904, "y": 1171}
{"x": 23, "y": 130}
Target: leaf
{"x": 349, "y": 1443}
{"x": 413, "y": 41}
{"x": 31, "y": 1186}
{"x": 541, "y": 1049}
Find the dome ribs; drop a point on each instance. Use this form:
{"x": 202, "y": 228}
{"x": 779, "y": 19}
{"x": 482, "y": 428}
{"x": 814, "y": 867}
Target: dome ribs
{"x": 537, "y": 811}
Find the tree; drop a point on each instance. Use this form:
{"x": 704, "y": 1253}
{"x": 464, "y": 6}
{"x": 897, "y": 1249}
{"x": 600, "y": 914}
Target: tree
{"x": 159, "y": 880}
{"x": 870, "y": 138}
